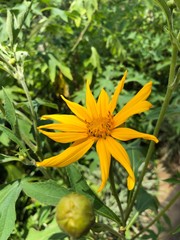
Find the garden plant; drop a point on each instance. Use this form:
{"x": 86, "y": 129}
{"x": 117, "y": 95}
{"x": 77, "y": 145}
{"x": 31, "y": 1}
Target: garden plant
{"x": 89, "y": 107}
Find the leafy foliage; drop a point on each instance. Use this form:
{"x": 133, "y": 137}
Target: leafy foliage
{"x": 50, "y": 48}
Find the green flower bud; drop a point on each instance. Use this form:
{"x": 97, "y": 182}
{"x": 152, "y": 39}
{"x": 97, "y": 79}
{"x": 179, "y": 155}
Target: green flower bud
{"x": 75, "y": 214}
{"x": 171, "y": 4}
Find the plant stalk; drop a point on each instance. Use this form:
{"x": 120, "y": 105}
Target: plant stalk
{"x": 115, "y": 194}
{"x": 20, "y": 77}
{"x": 165, "y": 104}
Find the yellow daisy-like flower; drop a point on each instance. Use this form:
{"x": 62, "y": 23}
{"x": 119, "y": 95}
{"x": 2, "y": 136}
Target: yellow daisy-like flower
{"x": 96, "y": 123}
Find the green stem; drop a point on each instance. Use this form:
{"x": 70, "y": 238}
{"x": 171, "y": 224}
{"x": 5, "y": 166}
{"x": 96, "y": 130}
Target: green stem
{"x": 20, "y": 77}
{"x": 169, "y": 91}
{"x": 115, "y": 194}
{"x": 133, "y": 219}
{"x": 160, "y": 214}
{"x": 81, "y": 36}
{"x": 130, "y": 195}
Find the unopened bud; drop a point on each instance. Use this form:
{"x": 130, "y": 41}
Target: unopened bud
{"x": 75, "y": 214}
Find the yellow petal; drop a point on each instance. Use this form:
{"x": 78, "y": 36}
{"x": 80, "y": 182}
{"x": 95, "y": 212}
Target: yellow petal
{"x": 113, "y": 103}
{"x": 65, "y": 137}
{"x": 64, "y": 118}
{"x": 65, "y": 127}
{"x": 136, "y": 105}
{"x": 130, "y": 182}
{"x": 105, "y": 158}
{"x": 142, "y": 95}
{"x": 68, "y": 156}
{"x": 125, "y": 113}
{"x": 125, "y": 134}
{"x": 91, "y": 103}
{"x": 80, "y": 111}
{"x": 119, "y": 153}
{"x": 103, "y": 103}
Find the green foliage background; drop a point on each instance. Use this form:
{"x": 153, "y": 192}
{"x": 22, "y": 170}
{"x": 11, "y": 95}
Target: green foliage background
{"x": 62, "y": 44}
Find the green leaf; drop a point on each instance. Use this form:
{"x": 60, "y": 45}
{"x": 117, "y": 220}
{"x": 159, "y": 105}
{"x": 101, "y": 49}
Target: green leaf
{"x": 23, "y": 14}
{"x": 94, "y": 60}
{"x": 9, "y": 110}
{"x": 145, "y": 201}
{"x": 52, "y": 67}
{"x": 9, "y": 26}
{"x": 174, "y": 180}
{"x": 177, "y": 230}
{"x": 5, "y": 158}
{"x": 65, "y": 71}
{"x": 26, "y": 133}
{"x": 79, "y": 185}
{"x": 47, "y": 192}
{"x": 8, "y": 197}
{"x": 53, "y": 63}
{"x": 46, "y": 103}
{"x": 151, "y": 235}
{"x": 135, "y": 152}
{"x": 91, "y": 7}
{"x": 61, "y": 13}
{"x": 51, "y": 232}
{"x": 11, "y": 135}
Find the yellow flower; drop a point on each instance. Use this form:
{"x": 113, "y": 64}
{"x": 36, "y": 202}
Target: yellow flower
{"x": 96, "y": 123}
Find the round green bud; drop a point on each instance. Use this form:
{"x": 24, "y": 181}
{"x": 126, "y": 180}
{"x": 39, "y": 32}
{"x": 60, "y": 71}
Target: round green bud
{"x": 75, "y": 214}
{"x": 171, "y": 4}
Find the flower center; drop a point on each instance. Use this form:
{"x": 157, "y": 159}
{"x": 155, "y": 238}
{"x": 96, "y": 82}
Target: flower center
{"x": 100, "y": 127}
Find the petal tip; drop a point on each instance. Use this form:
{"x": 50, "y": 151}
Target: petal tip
{"x": 100, "y": 188}
{"x": 130, "y": 183}
{"x": 125, "y": 73}
{"x": 38, "y": 164}
{"x": 44, "y": 117}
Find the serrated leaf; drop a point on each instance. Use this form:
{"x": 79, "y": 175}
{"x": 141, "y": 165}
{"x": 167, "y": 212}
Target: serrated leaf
{"x": 8, "y": 197}
{"x": 65, "y": 71}
{"x": 94, "y": 59}
{"x": 9, "y": 110}
{"x": 80, "y": 186}
{"x": 11, "y": 135}
{"x": 53, "y": 63}
{"x": 47, "y": 192}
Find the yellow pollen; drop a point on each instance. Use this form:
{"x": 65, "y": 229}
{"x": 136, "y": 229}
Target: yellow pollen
{"x": 100, "y": 127}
